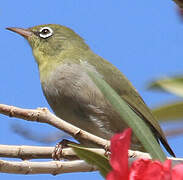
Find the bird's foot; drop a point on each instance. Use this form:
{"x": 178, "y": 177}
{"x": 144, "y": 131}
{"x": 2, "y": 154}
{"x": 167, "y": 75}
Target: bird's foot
{"x": 107, "y": 151}
{"x": 57, "y": 153}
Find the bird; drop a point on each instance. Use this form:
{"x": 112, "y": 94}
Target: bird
{"x": 63, "y": 60}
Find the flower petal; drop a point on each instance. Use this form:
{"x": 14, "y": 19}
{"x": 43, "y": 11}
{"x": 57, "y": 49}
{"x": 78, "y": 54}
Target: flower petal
{"x": 120, "y": 144}
{"x": 114, "y": 175}
{"x": 177, "y": 172}
{"x": 143, "y": 169}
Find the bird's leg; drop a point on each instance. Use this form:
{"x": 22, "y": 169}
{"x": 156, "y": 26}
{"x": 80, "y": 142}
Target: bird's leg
{"x": 57, "y": 153}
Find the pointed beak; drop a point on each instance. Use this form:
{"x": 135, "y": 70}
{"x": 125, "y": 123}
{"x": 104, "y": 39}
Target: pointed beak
{"x": 26, "y": 33}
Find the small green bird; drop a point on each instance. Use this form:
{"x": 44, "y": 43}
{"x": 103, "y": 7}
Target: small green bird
{"x": 63, "y": 59}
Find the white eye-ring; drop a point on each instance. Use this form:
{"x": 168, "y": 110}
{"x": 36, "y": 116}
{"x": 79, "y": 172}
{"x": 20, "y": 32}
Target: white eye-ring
{"x": 45, "y": 32}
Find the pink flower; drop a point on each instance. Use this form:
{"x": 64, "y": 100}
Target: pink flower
{"x": 120, "y": 144}
{"x": 141, "y": 169}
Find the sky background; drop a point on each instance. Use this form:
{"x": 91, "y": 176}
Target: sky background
{"x": 142, "y": 38}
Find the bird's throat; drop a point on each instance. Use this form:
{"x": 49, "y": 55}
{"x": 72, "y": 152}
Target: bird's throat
{"x": 46, "y": 64}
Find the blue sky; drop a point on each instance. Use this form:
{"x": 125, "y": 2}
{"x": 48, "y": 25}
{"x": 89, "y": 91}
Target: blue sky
{"x": 142, "y": 38}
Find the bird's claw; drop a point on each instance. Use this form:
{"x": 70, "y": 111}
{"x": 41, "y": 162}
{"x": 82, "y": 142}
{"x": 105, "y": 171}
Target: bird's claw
{"x": 107, "y": 153}
{"x": 57, "y": 153}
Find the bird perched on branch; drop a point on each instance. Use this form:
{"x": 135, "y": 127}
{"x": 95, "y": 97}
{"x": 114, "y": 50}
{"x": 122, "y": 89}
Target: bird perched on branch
{"x": 63, "y": 59}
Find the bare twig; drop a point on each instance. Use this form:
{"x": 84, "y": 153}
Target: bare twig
{"x": 52, "y": 167}
{"x": 134, "y": 155}
{"x": 39, "y": 152}
{"x": 43, "y": 115}
{"x": 138, "y": 154}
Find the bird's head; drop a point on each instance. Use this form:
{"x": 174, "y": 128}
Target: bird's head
{"x": 49, "y": 40}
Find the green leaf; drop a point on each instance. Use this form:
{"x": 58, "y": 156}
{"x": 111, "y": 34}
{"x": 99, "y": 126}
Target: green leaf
{"x": 169, "y": 112}
{"x": 140, "y": 128}
{"x": 93, "y": 158}
{"x": 172, "y": 85}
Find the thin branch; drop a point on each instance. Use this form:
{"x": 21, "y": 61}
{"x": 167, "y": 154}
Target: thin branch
{"x": 138, "y": 154}
{"x": 51, "y": 167}
{"x": 43, "y": 115}
{"x": 39, "y": 152}
{"x": 134, "y": 155}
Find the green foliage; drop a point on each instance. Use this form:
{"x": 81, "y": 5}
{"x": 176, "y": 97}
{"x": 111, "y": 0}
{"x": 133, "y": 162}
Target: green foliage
{"x": 93, "y": 158}
{"x": 169, "y": 112}
{"x": 172, "y": 85}
{"x": 172, "y": 111}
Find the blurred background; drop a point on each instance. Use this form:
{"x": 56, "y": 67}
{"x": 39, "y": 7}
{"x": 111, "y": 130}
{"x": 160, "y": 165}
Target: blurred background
{"x": 142, "y": 38}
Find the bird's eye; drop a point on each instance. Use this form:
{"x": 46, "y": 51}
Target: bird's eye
{"x": 45, "y": 32}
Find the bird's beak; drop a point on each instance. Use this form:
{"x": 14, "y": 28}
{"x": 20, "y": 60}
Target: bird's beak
{"x": 26, "y": 33}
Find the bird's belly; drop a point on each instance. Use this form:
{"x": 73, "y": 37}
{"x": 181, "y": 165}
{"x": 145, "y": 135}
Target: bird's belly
{"x": 69, "y": 111}
{"x": 76, "y": 99}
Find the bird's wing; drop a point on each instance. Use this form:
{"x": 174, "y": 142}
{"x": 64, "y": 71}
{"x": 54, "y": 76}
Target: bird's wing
{"x": 126, "y": 90}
